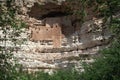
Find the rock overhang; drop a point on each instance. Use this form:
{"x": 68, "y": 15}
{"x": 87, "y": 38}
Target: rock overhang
{"x": 50, "y": 9}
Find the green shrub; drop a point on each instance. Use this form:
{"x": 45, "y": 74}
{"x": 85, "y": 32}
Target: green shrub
{"x": 65, "y": 75}
{"x": 58, "y": 75}
{"x": 106, "y": 67}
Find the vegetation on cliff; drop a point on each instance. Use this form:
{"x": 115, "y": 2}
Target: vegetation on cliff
{"x": 10, "y": 27}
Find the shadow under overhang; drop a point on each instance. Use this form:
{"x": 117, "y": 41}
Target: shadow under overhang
{"x": 48, "y": 10}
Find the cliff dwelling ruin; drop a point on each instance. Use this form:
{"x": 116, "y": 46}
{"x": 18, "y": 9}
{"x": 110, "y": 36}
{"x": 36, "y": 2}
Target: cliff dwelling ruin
{"x": 53, "y": 25}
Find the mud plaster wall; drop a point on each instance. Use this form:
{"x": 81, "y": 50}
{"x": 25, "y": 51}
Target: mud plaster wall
{"x": 44, "y": 33}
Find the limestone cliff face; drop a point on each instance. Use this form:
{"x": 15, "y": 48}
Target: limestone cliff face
{"x": 52, "y": 40}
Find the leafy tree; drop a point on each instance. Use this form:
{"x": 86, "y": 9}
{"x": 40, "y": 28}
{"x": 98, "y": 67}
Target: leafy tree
{"x": 9, "y": 26}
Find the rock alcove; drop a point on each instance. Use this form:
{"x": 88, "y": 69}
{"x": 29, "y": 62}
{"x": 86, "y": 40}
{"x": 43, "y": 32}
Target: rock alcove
{"x": 56, "y": 23}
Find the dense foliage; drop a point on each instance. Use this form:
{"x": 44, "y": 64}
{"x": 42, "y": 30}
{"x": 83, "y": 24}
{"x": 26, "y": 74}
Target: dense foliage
{"x": 59, "y": 75}
{"x": 9, "y": 27}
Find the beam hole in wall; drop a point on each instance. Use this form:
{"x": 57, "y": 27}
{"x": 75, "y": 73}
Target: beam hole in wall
{"x": 37, "y": 31}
